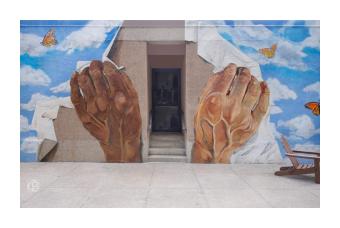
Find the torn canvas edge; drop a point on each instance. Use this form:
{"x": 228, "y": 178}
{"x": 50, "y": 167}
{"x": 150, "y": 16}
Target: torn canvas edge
{"x": 213, "y": 48}
{"x": 46, "y": 111}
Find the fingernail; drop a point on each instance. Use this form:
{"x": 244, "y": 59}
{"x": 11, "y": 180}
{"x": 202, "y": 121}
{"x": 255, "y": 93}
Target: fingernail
{"x": 263, "y": 86}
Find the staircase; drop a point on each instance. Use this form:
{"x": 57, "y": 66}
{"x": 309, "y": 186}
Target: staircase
{"x": 167, "y": 147}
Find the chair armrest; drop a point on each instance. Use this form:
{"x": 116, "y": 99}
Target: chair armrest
{"x": 303, "y": 156}
{"x": 306, "y": 152}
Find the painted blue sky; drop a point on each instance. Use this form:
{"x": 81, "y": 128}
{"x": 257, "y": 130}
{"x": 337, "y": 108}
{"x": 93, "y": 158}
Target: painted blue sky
{"x": 49, "y": 69}
{"x": 293, "y": 74}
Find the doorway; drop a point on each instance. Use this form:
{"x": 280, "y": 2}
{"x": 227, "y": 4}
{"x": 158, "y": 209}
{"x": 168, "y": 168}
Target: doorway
{"x": 166, "y": 100}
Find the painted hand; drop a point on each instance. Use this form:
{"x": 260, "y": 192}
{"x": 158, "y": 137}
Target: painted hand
{"x": 107, "y": 105}
{"x": 230, "y": 111}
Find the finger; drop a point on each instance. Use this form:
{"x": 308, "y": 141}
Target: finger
{"x": 78, "y": 100}
{"x": 98, "y": 80}
{"x": 208, "y": 86}
{"x": 220, "y": 81}
{"x": 229, "y": 75}
{"x": 240, "y": 83}
{"x": 120, "y": 87}
{"x": 252, "y": 94}
{"x": 85, "y": 84}
{"x": 121, "y": 81}
{"x": 110, "y": 75}
{"x": 120, "y": 102}
{"x": 262, "y": 106}
{"x": 127, "y": 83}
{"x": 225, "y": 78}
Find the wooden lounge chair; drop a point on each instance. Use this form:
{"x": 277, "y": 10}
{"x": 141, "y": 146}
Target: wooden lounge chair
{"x": 298, "y": 168}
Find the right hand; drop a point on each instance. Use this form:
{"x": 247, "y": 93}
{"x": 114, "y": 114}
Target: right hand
{"x": 230, "y": 110}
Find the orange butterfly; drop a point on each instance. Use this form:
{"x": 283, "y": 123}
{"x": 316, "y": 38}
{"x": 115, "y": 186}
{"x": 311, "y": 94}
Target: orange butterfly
{"x": 269, "y": 52}
{"x": 49, "y": 39}
{"x": 314, "y": 106}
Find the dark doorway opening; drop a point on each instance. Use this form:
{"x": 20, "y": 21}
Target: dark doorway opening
{"x": 166, "y": 100}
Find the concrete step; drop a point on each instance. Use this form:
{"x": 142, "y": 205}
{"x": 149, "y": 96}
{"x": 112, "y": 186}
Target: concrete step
{"x": 167, "y": 151}
{"x": 169, "y": 135}
{"x": 167, "y": 140}
{"x": 166, "y": 144}
{"x": 167, "y": 158}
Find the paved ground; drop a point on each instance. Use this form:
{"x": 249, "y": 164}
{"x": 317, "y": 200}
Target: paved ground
{"x": 163, "y": 185}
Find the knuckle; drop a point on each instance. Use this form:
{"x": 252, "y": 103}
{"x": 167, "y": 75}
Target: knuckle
{"x": 230, "y": 70}
{"x": 74, "y": 99}
{"x": 244, "y": 78}
{"x": 254, "y": 90}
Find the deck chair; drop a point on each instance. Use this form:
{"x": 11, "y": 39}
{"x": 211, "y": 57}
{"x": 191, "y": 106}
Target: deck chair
{"x": 298, "y": 168}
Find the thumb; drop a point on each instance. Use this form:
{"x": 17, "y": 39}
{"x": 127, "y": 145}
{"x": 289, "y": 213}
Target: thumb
{"x": 78, "y": 100}
{"x": 262, "y": 106}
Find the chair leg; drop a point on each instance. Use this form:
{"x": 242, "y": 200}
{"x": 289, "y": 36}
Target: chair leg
{"x": 293, "y": 171}
{"x": 317, "y": 170}
{"x": 284, "y": 172}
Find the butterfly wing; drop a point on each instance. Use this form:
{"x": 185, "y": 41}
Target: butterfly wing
{"x": 316, "y": 110}
{"x": 314, "y": 106}
{"x": 273, "y": 50}
{"x": 268, "y": 52}
{"x": 49, "y": 39}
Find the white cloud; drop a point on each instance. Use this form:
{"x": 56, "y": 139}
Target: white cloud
{"x": 30, "y": 106}
{"x": 313, "y": 40}
{"x": 315, "y": 87}
{"x": 30, "y": 44}
{"x": 62, "y": 88}
{"x": 92, "y": 34}
{"x": 300, "y": 127}
{"x": 35, "y": 77}
{"x": 288, "y": 54}
{"x": 278, "y": 91}
{"x": 307, "y": 147}
{"x": 30, "y": 145}
{"x": 24, "y": 125}
{"x": 275, "y": 109}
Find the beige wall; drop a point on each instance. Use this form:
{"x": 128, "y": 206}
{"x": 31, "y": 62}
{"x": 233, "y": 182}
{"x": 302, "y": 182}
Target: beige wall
{"x": 197, "y": 72}
{"x": 74, "y": 141}
{"x": 139, "y": 30}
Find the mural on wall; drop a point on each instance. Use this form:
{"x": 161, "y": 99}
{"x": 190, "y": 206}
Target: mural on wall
{"x": 286, "y": 53}
{"x": 49, "y": 52}
{"x": 230, "y": 111}
{"x": 107, "y": 105}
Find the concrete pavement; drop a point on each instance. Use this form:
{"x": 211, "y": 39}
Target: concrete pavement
{"x": 163, "y": 185}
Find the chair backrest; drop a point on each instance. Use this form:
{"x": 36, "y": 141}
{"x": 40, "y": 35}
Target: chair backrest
{"x": 294, "y": 161}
